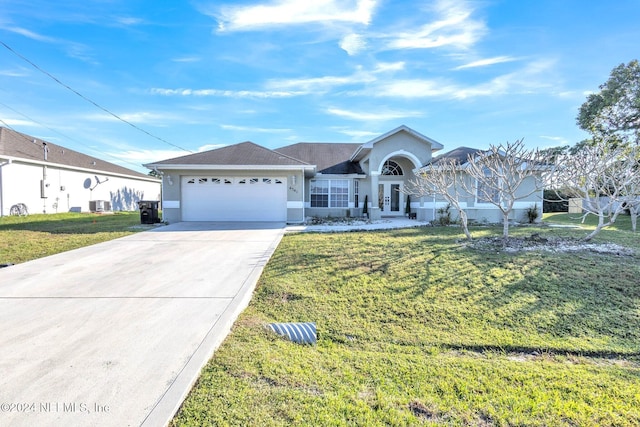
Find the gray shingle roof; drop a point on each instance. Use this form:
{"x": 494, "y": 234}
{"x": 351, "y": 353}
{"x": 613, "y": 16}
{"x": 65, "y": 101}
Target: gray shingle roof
{"x": 21, "y": 146}
{"x": 329, "y": 157}
{"x": 460, "y": 155}
{"x": 244, "y": 153}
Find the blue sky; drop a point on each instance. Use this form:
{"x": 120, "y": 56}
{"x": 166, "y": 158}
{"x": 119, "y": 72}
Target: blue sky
{"x": 196, "y": 75}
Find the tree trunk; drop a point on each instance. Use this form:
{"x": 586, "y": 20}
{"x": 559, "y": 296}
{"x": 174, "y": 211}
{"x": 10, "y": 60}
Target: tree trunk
{"x": 505, "y": 224}
{"x": 464, "y": 223}
{"x": 633, "y": 211}
{"x": 600, "y": 226}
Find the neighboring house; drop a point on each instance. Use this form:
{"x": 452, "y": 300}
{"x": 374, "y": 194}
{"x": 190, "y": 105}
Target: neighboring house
{"x": 478, "y": 206}
{"x": 48, "y": 178}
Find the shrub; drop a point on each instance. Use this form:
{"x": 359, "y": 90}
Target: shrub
{"x": 532, "y": 214}
{"x": 444, "y": 215}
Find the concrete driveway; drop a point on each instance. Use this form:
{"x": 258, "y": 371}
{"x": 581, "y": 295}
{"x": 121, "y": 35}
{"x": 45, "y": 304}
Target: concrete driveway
{"x": 115, "y": 334}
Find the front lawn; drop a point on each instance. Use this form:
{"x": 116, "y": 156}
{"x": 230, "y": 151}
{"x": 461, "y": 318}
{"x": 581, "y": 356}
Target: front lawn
{"x": 24, "y": 238}
{"x": 417, "y": 328}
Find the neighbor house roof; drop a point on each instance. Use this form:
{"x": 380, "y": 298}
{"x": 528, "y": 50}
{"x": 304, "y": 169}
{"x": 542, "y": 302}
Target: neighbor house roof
{"x": 19, "y": 146}
{"x": 459, "y": 155}
{"x": 329, "y": 157}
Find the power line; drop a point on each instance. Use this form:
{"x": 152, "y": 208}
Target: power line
{"x": 61, "y": 134}
{"x": 89, "y": 100}
{"x": 33, "y": 141}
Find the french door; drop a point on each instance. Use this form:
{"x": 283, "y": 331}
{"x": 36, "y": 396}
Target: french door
{"x": 390, "y": 197}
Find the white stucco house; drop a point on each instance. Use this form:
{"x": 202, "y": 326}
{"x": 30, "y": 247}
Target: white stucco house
{"x": 248, "y": 182}
{"x": 474, "y": 199}
{"x": 48, "y": 178}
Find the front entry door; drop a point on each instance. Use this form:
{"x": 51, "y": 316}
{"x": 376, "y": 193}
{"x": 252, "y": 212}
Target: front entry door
{"x": 390, "y": 197}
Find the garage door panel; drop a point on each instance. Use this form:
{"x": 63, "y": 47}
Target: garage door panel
{"x": 255, "y": 199}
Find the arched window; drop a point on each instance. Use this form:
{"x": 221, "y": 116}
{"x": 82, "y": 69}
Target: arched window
{"x": 391, "y": 168}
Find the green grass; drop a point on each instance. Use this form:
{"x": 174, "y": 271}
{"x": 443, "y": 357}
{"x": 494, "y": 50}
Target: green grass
{"x": 415, "y": 328}
{"x": 24, "y": 238}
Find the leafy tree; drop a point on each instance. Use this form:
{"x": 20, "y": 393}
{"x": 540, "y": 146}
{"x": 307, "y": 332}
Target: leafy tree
{"x": 613, "y": 114}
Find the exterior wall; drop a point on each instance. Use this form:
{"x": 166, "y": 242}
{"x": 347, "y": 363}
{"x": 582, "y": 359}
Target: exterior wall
{"x": 70, "y": 190}
{"x": 295, "y": 197}
{"x": 427, "y": 206}
{"x": 171, "y": 194}
{"x": 401, "y": 142}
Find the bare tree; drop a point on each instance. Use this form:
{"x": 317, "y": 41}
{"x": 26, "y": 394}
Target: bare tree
{"x": 504, "y": 174}
{"x": 630, "y": 199}
{"x": 442, "y": 179}
{"x": 604, "y": 178}
{"x": 633, "y": 204}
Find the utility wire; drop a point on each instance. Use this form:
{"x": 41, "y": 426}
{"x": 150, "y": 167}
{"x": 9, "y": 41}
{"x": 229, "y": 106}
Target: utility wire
{"x": 61, "y": 134}
{"x": 33, "y": 141}
{"x": 89, "y": 100}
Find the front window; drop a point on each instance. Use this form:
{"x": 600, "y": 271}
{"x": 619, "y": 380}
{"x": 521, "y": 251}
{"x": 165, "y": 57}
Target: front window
{"x": 487, "y": 189}
{"x": 391, "y": 168}
{"x": 329, "y": 193}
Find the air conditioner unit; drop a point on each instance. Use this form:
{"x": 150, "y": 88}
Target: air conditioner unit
{"x": 99, "y": 206}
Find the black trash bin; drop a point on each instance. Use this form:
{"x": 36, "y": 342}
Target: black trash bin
{"x": 148, "y": 211}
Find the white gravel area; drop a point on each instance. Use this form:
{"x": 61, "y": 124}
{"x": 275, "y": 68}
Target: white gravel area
{"x": 339, "y": 225}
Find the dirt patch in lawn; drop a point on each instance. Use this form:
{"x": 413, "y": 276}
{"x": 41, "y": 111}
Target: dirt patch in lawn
{"x": 536, "y": 242}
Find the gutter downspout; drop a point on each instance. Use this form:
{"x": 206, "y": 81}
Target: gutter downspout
{"x": 303, "y": 203}
{"x": 8, "y": 162}
{"x": 434, "y": 208}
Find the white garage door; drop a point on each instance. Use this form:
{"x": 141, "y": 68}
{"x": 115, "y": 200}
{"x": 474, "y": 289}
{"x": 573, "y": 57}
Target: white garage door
{"x": 219, "y": 198}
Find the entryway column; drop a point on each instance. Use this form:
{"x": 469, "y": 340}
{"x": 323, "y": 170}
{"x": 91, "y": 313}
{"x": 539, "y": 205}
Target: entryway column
{"x": 374, "y": 210}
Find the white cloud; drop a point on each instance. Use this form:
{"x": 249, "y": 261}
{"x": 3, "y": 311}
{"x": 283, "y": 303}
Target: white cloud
{"x": 486, "y": 62}
{"x": 288, "y": 12}
{"x": 530, "y": 79}
{"x": 225, "y": 93}
{"x": 209, "y": 147}
{"x": 559, "y": 139}
{"x": 127, "y": 20}
{"x": 382, "y": 67}
{"x": 72, "y": 49}
{"x": 373, "y": 116}
{"x": 415, "y": 88}
{"x": 454, "y": 25}
{"x": 358, "y": 134}
{"x": 131, "y": 156}
{"x": 136, "y": 117}
{"x": 314, "y": 84}
{"x": 353, "y": 44}
{"x": 21, "y": 72}
{"x": 146, "y": 156}
{"x": 319, "y": 84}
{"x": 254, "y": 129}
{"x": 30, "y": 34}
{"x": 17, "y": 122}
{"x": 187, "y": 59}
